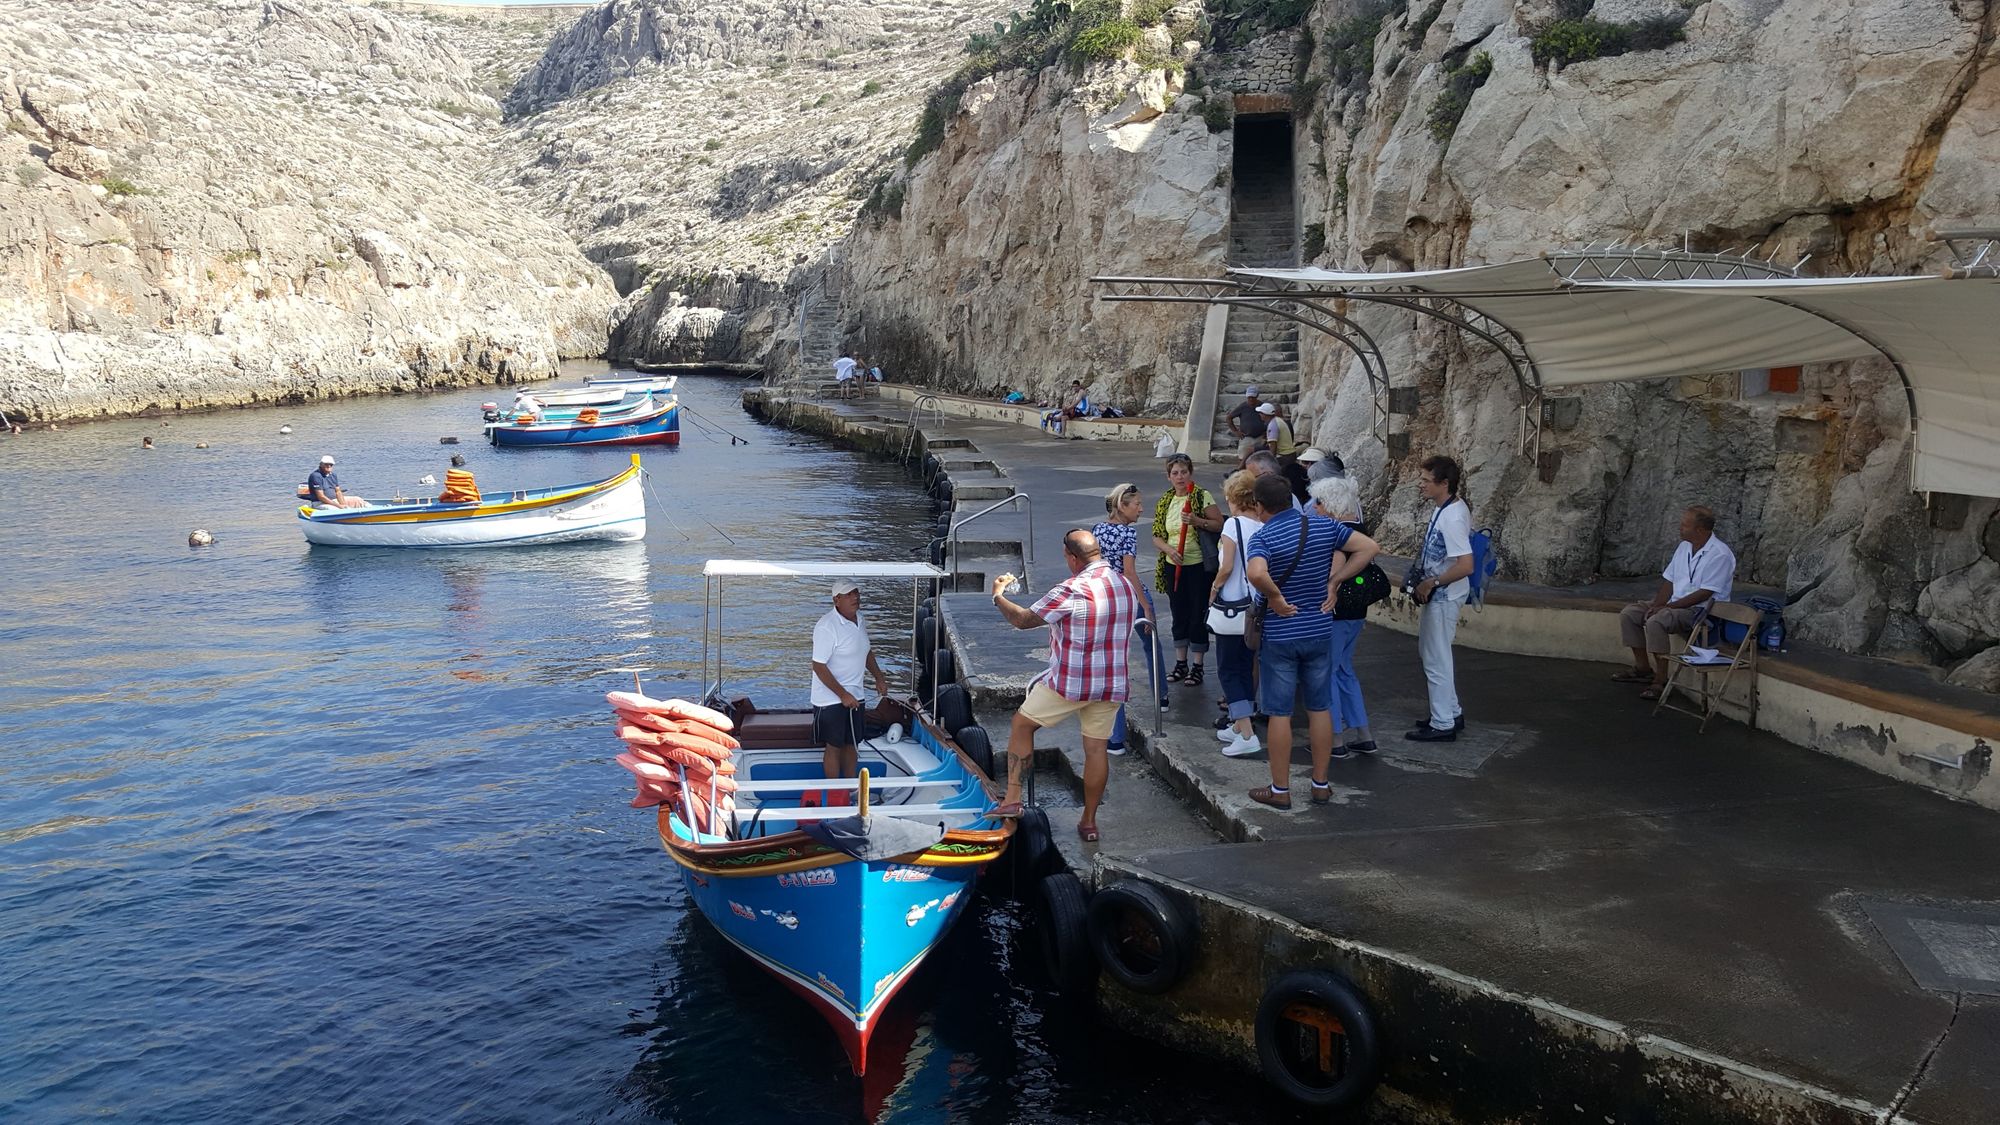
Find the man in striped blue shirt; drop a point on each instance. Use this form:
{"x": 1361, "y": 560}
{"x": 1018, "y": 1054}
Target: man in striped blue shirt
{"x": 1298, "y": 564}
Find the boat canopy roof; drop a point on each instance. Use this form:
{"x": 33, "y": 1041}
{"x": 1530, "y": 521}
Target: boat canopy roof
{"x": 760, "y": 568}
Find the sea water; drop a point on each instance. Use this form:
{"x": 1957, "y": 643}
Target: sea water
{"x": 295, "y": 833}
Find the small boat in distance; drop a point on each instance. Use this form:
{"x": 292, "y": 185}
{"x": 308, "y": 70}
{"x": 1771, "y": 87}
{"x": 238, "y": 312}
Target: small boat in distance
{"x": 656, "y": 423}
{"x": 612, "y": 509}
{"x": 631, "y": 381}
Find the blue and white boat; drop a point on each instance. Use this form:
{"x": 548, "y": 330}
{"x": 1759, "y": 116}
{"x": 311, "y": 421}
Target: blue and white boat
{"x": 658, "y": 423}
{"x": 840, "y": 903}
{"x": 632, "y": 381}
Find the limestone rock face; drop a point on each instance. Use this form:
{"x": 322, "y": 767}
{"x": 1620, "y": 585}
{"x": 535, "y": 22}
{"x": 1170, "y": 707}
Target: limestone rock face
{"x": 708, "y": 153}
{"x": 223, "y": 202}
{"x": 1783, "y": 128}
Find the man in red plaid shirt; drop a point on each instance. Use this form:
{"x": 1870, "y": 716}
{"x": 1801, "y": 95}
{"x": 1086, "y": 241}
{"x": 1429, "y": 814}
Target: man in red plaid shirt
{"x": 1090, "y": 617}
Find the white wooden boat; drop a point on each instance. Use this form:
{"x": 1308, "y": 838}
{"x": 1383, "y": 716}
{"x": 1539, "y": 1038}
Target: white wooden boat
{"x": 612, "y": 509}
{"x": 632, "y": 381}
{"x": 600, "y": 393}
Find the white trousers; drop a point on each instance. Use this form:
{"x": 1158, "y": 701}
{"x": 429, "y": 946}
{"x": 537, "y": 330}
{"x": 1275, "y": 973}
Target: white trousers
{"x": 1435, "y": 630}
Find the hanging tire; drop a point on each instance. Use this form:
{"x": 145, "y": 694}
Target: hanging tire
{"x": 1141, "y": 936}
{"x": 943, "y": 525}
{"x": 1060, "y": 915}
{"x": 937, "y": 552}
{"x": 972, "y": 739}
{"x": 929, "y": 642}
{"x": 1033, "y": 848}
{"x": 953, "y": 710}
{"x": 941, "y": 677}
{"x": 1317, "y": 1040}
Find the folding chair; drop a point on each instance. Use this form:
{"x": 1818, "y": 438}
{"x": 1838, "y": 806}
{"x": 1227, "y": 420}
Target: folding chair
{"x": 1710, "y": 695}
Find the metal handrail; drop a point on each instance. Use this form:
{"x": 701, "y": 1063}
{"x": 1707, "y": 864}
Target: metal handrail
{"x": 1027, "y": 545}
{"x": 937, "y": 415}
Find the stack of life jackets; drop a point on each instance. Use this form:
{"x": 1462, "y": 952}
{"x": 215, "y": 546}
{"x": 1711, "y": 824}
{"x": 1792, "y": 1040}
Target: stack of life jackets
{"x": 458, "y": 488}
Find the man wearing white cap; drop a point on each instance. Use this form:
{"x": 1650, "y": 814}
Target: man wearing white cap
{"x": 1245, "y": 424}
{"x": 840, "y": 654}
{"x": 323, "y": 487}
{"x": 1277, "y": 431}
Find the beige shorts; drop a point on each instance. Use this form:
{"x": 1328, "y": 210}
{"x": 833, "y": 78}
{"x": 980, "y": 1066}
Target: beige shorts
{"x": 1045, "y": 708}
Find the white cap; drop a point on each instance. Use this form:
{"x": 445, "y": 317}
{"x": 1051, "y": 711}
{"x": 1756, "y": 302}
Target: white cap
{"x": 1310, "y": 454}
{"x": 326, "y": 460}
{"x": 1266, "y": 408}
{"x": 845, "y": 586}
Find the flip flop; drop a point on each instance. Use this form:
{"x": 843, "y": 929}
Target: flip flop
{"x": 1009, "y": 811}
{"x": 1628, "y": 676}
{"x": 1088, "y": 832}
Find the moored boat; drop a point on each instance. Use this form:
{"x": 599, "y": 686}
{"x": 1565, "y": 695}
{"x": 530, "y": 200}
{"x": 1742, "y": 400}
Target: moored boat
{"x": 657, "y": 423}
{"x": 840, "y": 903}
{"x": 611, "y": 509}
{"x": 632, "y": 381}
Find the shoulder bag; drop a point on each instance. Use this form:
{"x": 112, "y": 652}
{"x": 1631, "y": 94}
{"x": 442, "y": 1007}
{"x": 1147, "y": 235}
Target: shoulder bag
{"x": 1253, "y": 631}
{"x": 1231, "y": 616}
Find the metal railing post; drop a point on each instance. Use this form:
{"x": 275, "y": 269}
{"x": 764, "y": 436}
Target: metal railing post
{"x": 1027, "y": 545}
{"x": 1154, "y": 657}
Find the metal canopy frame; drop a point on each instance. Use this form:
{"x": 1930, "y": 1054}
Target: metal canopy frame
{"x": 1317, "y": 306}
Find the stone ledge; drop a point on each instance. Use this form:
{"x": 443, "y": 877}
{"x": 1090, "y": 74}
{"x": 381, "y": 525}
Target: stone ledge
{"x": 1023, "y": 414}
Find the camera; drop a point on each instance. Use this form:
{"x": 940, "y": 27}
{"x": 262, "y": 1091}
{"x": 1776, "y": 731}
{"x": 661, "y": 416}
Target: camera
{"x": 1410, "y": 580}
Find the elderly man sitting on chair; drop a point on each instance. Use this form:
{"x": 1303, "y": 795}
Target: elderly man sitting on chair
{"x": 1702, "y": 570}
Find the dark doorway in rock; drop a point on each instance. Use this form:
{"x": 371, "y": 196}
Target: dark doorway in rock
{"x": 1259, "y": 351}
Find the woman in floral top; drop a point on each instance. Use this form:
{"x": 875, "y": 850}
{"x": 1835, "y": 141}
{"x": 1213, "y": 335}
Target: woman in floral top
{"x": 1182, "y": 573}
{"x": 1118, "y": 540}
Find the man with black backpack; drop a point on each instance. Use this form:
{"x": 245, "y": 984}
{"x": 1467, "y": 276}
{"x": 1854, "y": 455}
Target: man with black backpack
{"x": 1440, "y": 581}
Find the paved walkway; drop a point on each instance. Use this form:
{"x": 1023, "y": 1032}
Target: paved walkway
{"x": 1728, "y": 891}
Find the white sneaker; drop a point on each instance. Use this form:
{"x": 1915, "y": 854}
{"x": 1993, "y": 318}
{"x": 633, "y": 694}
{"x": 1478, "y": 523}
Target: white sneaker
{"x": 1243, "y": 747}
{"x": 1114, "y": 750}
{"x": 1226, "y": 734}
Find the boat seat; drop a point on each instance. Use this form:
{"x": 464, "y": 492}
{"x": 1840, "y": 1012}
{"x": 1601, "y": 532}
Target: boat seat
{"x": 776, "y": 730}
{"x": 845, "y": 784}
{"x": 900, "y": 812}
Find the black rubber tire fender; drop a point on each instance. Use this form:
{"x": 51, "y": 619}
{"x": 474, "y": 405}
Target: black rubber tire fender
{"x": 972, "y": 739}
{"x": 954, "y": 709}
{"x": 1141, "y": 936}
{"x": 1033, "y": 847}
{"x": 943, "y": 676}
{"x": 928, "y": 641}
{"x": 1060, "y": 913}
{"x": 1319, "y": 1013}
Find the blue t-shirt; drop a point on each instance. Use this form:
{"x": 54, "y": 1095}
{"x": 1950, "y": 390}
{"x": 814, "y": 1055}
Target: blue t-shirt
{"x": 1277, "y": 543}
{"x": 326, "y": 483}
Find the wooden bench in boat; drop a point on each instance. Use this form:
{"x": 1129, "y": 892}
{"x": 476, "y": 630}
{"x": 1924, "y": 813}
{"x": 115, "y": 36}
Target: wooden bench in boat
{"x": 769, "y": 812}
{"x": 843, "y": 784}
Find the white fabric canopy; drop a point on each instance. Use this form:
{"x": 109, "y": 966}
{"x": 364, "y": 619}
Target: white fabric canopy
{"x": 1944, "y": 333}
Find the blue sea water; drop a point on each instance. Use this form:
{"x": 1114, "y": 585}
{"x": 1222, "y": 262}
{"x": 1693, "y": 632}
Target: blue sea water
{"x": 311, "y": 834}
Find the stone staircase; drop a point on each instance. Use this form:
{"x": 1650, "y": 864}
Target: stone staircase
{"x": 1259, "y": 350}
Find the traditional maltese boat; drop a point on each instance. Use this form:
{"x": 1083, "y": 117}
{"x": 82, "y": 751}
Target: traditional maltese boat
{"x": 611, "y": 509}
{"x": 839, "y": 887}
{"x": 632, "y": 381}
{"x": 656, "y": 421}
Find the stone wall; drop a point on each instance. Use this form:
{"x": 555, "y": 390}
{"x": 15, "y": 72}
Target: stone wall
{"x": 230, "y": 202}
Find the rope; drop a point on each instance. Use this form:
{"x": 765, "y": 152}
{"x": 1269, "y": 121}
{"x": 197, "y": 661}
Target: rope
{"x": 734, "y": 439}
{"x": 647, "y": 476}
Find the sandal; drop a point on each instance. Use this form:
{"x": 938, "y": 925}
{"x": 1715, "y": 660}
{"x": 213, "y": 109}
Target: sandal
{"x": 1194, "y": 676}
{"x": 1088, "y": 832}
{"x": 1179, "y": 673}
{"x": 1650, "y": 693}
{"x": 1009, "y": 811}
{"x": 1633, "y": 676}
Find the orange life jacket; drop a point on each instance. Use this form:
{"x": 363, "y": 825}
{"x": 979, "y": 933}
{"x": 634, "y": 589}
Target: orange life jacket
{"x": 458, "y": 488}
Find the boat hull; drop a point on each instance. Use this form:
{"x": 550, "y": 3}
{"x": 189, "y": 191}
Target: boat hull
{"x": 844, "y": 933}
{"x": 656, "y": 383}
{"x": 662, "y": 427}
{"x": 613, "y": 510}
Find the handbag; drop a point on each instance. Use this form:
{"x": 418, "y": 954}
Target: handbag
{"x": 1211, "y": 541}
{"x": 1229, "y": 616}
{"x": 1253, "y": 631}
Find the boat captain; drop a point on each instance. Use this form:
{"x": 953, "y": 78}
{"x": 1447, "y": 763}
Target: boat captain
{"x": 840, "y": 654}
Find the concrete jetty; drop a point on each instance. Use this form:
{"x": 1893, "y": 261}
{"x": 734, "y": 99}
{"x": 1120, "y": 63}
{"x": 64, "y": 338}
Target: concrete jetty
{"x": 1577, "y": 912}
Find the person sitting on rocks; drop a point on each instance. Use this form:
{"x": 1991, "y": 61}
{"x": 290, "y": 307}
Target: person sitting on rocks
{"x": 1702, "y": 570}
{"x": 1075, "y": 404}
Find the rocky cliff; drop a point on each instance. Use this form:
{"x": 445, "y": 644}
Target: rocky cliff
{"x": 708, "y": 155}
{"x": 233, "y": 201}
{"x": 1451, "y": 132}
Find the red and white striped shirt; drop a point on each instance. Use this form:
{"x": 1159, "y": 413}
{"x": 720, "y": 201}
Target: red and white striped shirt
{"x": 1090, "y": 620}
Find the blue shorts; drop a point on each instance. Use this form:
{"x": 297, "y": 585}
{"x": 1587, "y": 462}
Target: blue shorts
{"x": 1284, "y": 667}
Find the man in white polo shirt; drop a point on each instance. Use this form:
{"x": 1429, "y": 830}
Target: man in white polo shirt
{"x": 840, "y": 654}
{"x": 1702, "y": 570}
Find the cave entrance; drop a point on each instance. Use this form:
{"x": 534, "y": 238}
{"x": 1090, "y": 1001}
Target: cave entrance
{"x": 1263, "y": 214}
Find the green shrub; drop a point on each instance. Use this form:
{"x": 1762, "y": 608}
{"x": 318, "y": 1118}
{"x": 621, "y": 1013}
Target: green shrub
{"x": 711, "y": 144}
{"x": 1106, "y": 40}
{"x": 1218, "y": 112}
{"x": 820, "y": 102}
{"x": 119, "y": 185}
{"x": 1573, "y": 9}
{"x": 1315, "y": 241}
{"x": 29, "y": 173}
{"x": 1657, "y": 32}
{"x": 1459, "y": 85}
{"x": 1350, "y": 44}
{"x": 1146, "y": 13}
{"x": 885, "y": 202}
{"x": 870, "y": 88}
{"x": 1568, "y": 41}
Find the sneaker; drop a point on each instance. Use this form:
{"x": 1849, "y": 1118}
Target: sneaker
{"x": 1428, "y": 733}
{"x": 1115, "y": 749}
{"x": 1226, "y": 734}
{"x": 1165, "y": 707}
{"x": 1458, "y": 724}
{"x": 1342, "y": 753}
{"x": 1367, "y": 747}
{"x": 1322, "y": 794}
{"x": 1243, "y": 747}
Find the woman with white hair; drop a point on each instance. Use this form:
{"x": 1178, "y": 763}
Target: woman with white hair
{"x": 1335, "y": 497}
